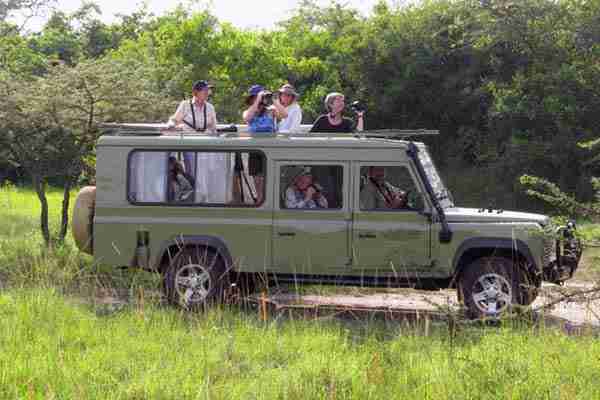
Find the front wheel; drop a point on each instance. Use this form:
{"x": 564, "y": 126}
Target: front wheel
{"x": 488, "y": 287}
{"x": 196, "y": 277}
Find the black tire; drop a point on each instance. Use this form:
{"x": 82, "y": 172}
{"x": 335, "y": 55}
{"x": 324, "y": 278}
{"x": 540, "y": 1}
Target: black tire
{"x": 197, "y": 277}
{"x": 489, "y": 287}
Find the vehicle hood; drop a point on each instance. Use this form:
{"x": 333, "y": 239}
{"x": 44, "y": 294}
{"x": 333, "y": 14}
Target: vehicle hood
{"x": 459, "y": 214}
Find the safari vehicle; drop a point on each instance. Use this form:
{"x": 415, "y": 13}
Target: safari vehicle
{"x": 231, "y": 221}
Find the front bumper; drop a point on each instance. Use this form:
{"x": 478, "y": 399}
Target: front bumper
{"x": 568, "y": 250}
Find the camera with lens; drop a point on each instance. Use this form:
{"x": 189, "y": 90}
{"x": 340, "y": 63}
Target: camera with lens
{"x": 358, "y": 106}
{"x": 318, "y": 188}
{"x": 267, "y": 98}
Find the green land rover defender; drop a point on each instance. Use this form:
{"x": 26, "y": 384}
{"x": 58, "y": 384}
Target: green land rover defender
{"x": 357, "y": 209}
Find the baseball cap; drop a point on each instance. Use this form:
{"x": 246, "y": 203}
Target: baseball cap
{"x": 255, "y": 89}
{"x": 201, "y": 85}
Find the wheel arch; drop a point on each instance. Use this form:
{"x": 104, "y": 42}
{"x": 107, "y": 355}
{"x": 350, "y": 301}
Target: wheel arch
{"x": 170, "y": 248}
{"x": 474, "y": 248}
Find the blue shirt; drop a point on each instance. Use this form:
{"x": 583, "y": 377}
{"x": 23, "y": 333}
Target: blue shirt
{"x": 263, "y": 123}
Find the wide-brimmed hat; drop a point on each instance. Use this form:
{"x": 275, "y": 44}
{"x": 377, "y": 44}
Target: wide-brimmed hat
{"x": 288, "y": 89}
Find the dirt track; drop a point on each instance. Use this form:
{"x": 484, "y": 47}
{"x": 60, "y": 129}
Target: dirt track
{"x": 576, "y": 311}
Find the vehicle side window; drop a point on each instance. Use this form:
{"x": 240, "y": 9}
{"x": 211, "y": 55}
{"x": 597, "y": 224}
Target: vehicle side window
{"x": 388, "y": 188}
{"x": 311, "y": 187}
{"x": 196, "y": 178}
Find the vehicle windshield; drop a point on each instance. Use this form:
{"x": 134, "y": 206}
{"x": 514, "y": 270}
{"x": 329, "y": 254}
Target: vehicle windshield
{"x": 442, "y": 194}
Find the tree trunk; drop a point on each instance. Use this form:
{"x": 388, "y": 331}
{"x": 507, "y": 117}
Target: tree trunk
{"x": 40, "y": 189}
{"x": 64, "y": 223}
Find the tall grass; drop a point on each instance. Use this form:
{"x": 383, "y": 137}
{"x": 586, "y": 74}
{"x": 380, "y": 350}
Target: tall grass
{"x": 55, "y": 348}
{"x": 60, "y": 337}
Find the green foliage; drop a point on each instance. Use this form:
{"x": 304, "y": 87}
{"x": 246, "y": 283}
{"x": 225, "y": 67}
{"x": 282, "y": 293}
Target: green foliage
{"x": 16, "y": 56}
{"x": 550, "y": 193}
{"x": 50, "y": 123}
{"x": 512, "y": 86}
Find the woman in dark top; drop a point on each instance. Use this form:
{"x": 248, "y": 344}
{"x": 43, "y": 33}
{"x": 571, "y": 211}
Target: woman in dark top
{"x": 333, "y": 121}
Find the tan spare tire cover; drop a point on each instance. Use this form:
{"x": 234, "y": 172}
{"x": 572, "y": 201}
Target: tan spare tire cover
{"x": 83, "y": 218}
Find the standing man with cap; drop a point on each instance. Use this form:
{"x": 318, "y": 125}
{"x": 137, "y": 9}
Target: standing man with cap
{"x": 287, "y": 109}
{"x": 196, "y": 114}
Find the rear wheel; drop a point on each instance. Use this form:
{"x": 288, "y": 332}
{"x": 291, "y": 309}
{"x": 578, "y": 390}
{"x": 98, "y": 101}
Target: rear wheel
{"x": 488, "y": 286}
{"x": 195, "y": 278}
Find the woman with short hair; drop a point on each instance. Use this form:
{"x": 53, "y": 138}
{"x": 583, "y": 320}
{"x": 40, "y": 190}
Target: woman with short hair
{"x": 334, "y": 121}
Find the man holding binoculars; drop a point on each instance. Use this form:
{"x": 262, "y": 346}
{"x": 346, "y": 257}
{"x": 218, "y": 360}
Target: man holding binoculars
{"x": 304, "y": 193}
{"x": 379, "y": 194}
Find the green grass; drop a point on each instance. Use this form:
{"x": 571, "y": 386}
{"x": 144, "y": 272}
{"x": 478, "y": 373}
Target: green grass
{"x": 58, "y": 339}
{"x": 54, "y": 347}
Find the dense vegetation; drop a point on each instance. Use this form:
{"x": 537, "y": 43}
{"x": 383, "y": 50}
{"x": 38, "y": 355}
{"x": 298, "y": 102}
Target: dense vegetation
{"x": 511, "y": 85}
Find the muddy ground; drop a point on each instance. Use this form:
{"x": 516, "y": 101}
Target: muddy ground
{"x": 573, "y": 311}
{"x": 577, "y": 311}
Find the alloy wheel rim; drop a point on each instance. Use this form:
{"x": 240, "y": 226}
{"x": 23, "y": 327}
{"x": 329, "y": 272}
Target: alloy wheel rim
{"x": 192, "y": 284}
{"x": 492, "y": 294}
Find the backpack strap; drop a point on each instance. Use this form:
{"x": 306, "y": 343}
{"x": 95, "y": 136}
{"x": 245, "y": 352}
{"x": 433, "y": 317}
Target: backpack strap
{"x": 193, "y": 124}
{"x": 193, "y": 113}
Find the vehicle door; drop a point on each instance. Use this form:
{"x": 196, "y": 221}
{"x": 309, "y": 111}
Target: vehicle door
{"x": 391, "y": 231}
{"x": 311, "y": 237}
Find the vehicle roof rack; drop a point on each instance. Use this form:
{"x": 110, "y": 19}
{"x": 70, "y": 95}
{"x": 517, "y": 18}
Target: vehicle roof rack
{"x": 232, "y": 131}
{"x": 392, "y": 134}
{"x": 133, "y": 129}
{"x": 399, "y": 134}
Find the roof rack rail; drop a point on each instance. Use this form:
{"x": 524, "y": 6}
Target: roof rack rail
{"x": 133, "y": 129}
{"x": 232, "y": 130}
{"x": 398, "y": 133}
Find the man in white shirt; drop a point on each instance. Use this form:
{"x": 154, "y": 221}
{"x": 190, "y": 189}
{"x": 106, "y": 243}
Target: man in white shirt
{"x": 196, "y": 114}
{"x": 287, "y": 109}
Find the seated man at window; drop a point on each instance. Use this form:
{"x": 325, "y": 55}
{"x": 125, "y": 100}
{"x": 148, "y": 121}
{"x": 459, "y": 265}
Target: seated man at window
{"x": 380, "y": 194}
{"x": 304, "y": 193}
{"x": 180, "y": 183}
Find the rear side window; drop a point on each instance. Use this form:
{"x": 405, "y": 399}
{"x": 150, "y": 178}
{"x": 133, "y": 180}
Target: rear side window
{"x": 196, "y": 178}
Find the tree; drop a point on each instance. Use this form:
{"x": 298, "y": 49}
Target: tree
{"x": 50, "y": 123}
{"x": 24, "y": 8}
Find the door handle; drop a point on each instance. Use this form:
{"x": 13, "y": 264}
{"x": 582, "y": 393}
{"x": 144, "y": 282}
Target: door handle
{"x": 287, "y": 234}
{"x": 367, "y": 236}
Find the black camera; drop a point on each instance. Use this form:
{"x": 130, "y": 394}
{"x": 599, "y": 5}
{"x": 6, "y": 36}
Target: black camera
{"x": 267, "y": 98}
{"x": 358, "y": 106}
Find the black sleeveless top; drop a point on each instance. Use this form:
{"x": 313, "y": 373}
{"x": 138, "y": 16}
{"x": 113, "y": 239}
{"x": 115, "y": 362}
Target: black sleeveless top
{"x": 322, "y": 124}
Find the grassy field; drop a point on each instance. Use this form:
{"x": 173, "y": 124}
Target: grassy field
{"x": 61, "y": 339}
